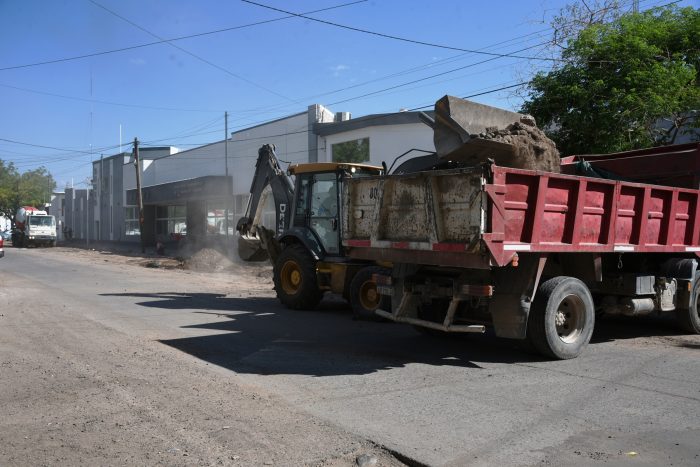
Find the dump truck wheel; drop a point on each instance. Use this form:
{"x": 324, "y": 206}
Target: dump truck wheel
{"x": 295, "y": 278}
{"x": 689, "y": 320}
{"x": 364, "y": 298}
{"x": 561, "y": 318}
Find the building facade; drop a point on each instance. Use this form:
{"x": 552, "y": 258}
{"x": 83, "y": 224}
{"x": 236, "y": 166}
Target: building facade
{"x": 202, "y": 192}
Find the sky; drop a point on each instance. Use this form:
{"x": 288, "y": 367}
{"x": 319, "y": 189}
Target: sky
{"x": 77, "y": 74}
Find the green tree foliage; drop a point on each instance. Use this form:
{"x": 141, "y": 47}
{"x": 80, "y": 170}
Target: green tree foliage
{"x": 628, "y": 83}
{"x": 31, "y": 188}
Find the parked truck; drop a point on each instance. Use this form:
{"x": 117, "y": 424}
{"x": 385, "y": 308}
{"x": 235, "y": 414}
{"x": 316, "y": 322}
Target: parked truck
{"x": 537, "y": 255}
{"x": 33, "y": 227}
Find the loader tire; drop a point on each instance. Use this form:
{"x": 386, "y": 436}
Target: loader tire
{"x": 295, "y": 278}
{"x": 364, "y": 298}
{"x": 561, "y": 318}
{"x": 689, "y": 320}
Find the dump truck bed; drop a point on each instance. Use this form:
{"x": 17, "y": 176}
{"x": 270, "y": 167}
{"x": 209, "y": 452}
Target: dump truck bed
{"x": 676, "y": 166}
{"x": 484, "y": 216}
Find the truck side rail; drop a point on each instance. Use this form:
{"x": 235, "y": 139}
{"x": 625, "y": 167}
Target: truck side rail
{"x": 478, "y": 218}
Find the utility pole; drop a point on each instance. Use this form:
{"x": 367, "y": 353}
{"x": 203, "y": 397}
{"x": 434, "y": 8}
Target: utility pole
{"x": 87, "y": 214}
{"x": 228, "y": 198}
{"x": 137, "y": 163}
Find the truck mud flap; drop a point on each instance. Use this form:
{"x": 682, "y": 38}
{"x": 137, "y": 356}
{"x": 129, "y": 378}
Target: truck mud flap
{"x": 515, "y": 290}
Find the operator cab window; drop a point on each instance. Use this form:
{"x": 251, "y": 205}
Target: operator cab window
{"x": 324, "y": 210}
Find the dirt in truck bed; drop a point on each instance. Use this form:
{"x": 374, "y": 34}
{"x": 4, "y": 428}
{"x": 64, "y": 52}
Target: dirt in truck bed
{"x": 520, "y": 145}
{"x": 532, "y": 149}
{"x": 469, "y": 133}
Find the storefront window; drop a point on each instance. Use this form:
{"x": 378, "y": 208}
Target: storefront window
{"x": 131, "y": 220}
{"x": 216, "y": 219}
{"x": 171, "y": 221}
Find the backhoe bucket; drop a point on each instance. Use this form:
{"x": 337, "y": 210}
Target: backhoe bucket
{"x": 456, "y": 120}
{"x": 251, "y": 249}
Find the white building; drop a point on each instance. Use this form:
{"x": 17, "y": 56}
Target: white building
{"x": 181, "y": 189}
{"x": 187, "y": 193}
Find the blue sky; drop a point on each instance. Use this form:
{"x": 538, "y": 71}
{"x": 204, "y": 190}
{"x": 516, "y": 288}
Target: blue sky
{"x": 163, "y": 95}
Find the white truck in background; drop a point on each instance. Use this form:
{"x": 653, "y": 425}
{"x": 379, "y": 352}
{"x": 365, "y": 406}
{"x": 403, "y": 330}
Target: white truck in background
{"x": 33, "y": 227}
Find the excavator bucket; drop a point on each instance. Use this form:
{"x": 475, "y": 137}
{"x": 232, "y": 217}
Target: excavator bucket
{"x": 457, "y": 119}
{"x": 251, "y": 249}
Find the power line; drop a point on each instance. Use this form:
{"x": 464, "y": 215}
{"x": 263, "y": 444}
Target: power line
{"x": 424, "y": 78}
{"x": 397, "y": 38}
{"x": 379, "y": 116}
{"x": 97, "y": 101}
{"x": 190, "y": 36}
{"x": 46, "y": 147}
{"x": 208, "y": 62}
{"x": 399, "y": 73}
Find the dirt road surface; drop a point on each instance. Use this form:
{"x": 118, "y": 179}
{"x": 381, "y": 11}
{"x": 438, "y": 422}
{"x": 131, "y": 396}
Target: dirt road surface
{"x": 75, "y": 390}
{"x": 108, "y": 359}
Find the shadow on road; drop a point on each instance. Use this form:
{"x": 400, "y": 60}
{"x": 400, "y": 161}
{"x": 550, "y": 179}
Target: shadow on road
{"x": 262, "y": 337}
{"x": 612, "y": 328}
{"x": 257, "y": 335}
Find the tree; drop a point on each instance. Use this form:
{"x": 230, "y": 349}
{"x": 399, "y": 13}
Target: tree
{"x": 31, "y": 188}
{"x": 627, "y": 83}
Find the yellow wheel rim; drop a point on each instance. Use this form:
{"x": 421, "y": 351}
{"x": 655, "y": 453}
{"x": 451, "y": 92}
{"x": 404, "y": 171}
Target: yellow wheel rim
{"x": 369, "y": 298}
{"x": 290, "y": 277}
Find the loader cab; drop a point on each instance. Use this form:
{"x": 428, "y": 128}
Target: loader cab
{"x": 317, "y": 203}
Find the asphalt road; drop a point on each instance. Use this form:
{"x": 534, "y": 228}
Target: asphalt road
{"x": 632, "y": 398}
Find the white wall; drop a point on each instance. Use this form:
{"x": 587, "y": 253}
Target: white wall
{"x": 386, "y": 142}
{"x": 294, "y": 142}
{"x": 289, "y": 135}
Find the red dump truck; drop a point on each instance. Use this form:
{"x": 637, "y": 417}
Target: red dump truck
{"x": 537, "y": 255}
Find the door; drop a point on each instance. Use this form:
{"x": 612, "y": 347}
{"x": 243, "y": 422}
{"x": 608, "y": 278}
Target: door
{"x": 324, "y": 211}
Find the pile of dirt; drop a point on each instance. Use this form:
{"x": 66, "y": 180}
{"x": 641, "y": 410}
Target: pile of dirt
{"x": 468, "y": 134}
{"x": 208, "y": 260}
{"x": 532, "y": 149}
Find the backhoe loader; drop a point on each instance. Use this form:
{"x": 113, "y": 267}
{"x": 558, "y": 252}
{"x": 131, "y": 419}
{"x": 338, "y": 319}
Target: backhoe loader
{"x": 304, "y": 246}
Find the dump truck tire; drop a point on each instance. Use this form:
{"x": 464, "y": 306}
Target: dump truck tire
{"x": 689, "y": 320}
{"x": 364, "y": 298}
{"x": 561, "y": 318}
{"x": 295, "y": 278}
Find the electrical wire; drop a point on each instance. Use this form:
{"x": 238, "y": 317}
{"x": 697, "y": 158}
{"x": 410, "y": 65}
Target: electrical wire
{"x": 397, "y": 38}
{"x": 97, "y": 101}
{"x": 190, "y": 36}
{"x": 204, "y": 60}
{"x": 416, "y": 108}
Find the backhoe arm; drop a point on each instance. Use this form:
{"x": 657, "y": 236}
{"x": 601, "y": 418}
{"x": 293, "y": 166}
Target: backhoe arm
{"x": 255, "y": 239}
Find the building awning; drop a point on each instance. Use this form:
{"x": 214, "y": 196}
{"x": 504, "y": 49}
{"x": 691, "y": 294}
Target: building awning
{"x": 194, "y": 189}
